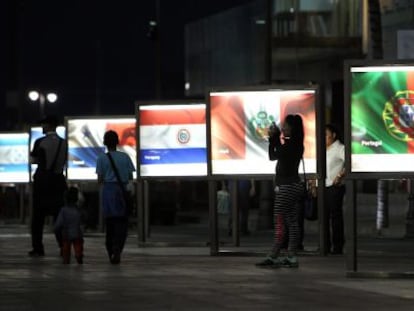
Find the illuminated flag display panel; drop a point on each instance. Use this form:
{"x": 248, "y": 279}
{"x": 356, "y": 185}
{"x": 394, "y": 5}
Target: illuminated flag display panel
{"x": 381, "y": 119}
{"x": 85, "y": 143}
{"x": 14, "y": 157}
{"x": 36, "y": 132}
{"x": 239, "y": 127}
{"x": 172, "y": 140}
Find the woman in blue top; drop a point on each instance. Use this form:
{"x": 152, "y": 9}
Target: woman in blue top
{"x": 114, "y": 205}
{"x": 286, "y": 146}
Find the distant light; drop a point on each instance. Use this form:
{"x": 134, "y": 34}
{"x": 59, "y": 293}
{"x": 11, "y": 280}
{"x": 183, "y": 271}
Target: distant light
{"x": 260, "y": 22}
{"x": 187, "y": 86}
{"x": 292, "y": 10}
{"x": 153, "y": 23}
{"x": 51, "y": 97}
{"x": 34, "y": 95}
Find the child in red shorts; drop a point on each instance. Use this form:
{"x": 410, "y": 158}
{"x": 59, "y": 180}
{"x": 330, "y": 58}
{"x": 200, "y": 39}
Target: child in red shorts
{"x": 68, "y": 223}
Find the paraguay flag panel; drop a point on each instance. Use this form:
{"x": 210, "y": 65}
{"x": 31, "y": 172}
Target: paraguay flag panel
{"x": 173, "y": 140}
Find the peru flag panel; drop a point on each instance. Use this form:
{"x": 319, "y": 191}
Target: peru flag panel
{"x": 240, "y": 122}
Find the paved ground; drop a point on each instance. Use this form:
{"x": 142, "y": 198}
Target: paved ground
{"x": 188, "y": 278}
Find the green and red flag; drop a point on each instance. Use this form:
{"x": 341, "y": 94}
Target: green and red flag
{"x": 382, "y": 110}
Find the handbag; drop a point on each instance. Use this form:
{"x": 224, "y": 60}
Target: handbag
{"x": 129, "y": 204}
{"x": 310, "y": 202}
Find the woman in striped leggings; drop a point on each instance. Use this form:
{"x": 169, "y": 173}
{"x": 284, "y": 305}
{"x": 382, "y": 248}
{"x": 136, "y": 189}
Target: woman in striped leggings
{"x": 286, "y": 146}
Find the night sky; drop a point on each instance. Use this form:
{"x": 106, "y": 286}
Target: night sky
{"x": 96, "y": 54}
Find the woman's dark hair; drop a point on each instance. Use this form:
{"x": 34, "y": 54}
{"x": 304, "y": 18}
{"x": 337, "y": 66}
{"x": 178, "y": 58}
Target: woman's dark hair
{"x": 296, "y": 124}
{"x": 111, "y": 139}
{"x": 334, "y": 130}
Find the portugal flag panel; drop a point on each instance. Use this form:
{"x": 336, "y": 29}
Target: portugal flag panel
{"x": 382, "y": 119}
{"x": 382, "y": 111}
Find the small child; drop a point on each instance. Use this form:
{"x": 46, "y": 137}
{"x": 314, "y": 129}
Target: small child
{"x": 68, "y": 223}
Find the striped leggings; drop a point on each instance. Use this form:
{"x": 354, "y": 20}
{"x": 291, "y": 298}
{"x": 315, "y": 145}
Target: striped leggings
{"x": 285, "y": 213}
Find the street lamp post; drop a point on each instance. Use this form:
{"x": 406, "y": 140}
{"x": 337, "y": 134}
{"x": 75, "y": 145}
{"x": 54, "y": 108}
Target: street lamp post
{"x": 154, "y": 33}
{"x": 42, "y": 98}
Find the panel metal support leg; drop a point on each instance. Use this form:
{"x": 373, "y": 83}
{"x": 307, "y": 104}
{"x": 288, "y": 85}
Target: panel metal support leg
{"x": 213, "y": 223}
{"x": 351, "y": 227}
{"x": 141, "y": 212}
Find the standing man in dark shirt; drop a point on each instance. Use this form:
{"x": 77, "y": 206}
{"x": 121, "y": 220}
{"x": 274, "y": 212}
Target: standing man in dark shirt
{"x": 49, "y": 183}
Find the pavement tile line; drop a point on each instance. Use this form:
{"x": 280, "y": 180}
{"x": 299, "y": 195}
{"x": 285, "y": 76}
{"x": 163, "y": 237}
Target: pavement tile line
{"x": 188, "y": 278}
{"x": 400, "y": 288}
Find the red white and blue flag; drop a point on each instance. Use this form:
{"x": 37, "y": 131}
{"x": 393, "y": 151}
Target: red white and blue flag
{"x": 173, "y": 140}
